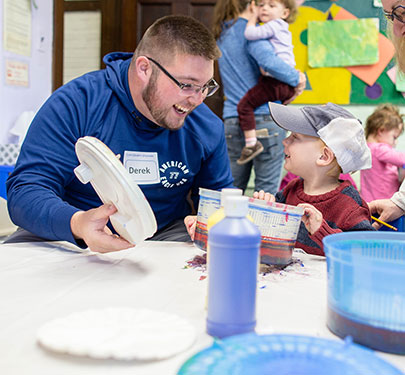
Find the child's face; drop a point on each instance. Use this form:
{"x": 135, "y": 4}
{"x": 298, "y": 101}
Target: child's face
{"x": 301, "y": 153}
{"x": 389, "y": 136}
{"x": 270, "y": 10}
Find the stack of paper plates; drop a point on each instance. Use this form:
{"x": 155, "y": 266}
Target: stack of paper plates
{"x": 119, "y": 333}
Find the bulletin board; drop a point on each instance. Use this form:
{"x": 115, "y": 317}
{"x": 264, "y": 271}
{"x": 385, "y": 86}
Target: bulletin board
{"x": 371, "y": 83}
{"x": 25, "y": 60}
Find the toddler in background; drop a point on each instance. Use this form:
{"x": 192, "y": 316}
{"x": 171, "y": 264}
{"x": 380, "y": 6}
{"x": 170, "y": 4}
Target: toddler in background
{"x": 325, "y": 141}
{"x": 383, "y": 127}
{"x": 276, "y": 15}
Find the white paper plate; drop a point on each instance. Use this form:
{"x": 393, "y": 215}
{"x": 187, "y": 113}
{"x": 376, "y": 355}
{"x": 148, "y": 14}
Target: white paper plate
{"x": 119, "y": 333}
{"x": 134, "y": 220}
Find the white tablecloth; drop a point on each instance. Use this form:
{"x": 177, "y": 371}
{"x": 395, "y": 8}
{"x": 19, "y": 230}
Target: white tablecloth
{"x": 43, "y": 281}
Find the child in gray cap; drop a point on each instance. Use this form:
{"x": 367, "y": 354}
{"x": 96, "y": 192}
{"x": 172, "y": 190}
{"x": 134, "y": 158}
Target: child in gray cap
{"x": 324, "y": 142}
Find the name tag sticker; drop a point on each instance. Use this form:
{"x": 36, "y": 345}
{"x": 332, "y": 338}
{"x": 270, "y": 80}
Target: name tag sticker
{"x": 143, "y": 167}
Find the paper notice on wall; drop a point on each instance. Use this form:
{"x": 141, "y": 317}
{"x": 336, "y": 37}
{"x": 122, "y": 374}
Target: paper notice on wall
{"x": 17, "y": 73}
{"x": 17, "y": 26}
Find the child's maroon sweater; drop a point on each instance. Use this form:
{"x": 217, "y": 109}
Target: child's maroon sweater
{"x": 343, "y": 210}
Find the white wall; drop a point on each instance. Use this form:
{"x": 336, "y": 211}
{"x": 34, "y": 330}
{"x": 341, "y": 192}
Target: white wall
{"x": 13, "y": 99}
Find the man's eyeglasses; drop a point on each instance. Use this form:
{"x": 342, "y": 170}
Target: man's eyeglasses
{"x": 189, "y": 89}
{"x": 397, "y": 13}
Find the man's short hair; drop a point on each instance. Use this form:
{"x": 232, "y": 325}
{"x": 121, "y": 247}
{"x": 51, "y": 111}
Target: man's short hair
{"x": 172, "y": 35}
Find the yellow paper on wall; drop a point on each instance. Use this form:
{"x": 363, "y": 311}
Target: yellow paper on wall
{"x": 327, "y": 85}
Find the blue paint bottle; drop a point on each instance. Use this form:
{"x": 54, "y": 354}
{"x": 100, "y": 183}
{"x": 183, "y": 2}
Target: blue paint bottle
{"x": 234, "y": 244}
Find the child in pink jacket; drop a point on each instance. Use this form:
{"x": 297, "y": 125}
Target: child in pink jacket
{"x": 383, "y": 127}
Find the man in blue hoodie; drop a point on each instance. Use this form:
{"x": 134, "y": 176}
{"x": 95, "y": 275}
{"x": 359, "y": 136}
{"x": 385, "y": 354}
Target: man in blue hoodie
{"x": 148, "y": 103}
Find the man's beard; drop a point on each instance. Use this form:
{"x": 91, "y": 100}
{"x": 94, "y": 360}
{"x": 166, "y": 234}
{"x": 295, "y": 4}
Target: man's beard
{"x": 152, "y": 102}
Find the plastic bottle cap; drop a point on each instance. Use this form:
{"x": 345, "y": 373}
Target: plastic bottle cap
{"x": 228, "y": 192}
{"x": 236, "y": 206}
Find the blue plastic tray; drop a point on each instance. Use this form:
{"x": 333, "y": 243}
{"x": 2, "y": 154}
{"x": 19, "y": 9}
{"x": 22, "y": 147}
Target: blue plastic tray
{"x": 285, "y": 355}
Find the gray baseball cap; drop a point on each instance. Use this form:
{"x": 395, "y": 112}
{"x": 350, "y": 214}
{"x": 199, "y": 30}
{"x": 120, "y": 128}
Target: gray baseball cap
{"x": 338, "y": 128}
{"x": 306, "y": 120}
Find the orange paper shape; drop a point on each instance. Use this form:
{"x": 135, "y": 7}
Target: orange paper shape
{"x": 370, "y": 73}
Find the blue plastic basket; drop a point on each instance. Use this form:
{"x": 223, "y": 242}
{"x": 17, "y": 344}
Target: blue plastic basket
{"x": 366, "y": 288}
{"x": 5, "y": 171}
{"x": 285, "y": 355}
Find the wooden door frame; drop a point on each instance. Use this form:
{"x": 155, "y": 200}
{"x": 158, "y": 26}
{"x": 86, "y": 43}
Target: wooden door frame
{"x": 120, "y": 27}
{"x": 111, "y": 31}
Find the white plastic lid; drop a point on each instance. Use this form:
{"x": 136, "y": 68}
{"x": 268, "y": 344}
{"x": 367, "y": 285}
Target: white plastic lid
{"x": 236, "y": 206}
{"x": 225, "y": 192}
{"x": 134, "y": 219}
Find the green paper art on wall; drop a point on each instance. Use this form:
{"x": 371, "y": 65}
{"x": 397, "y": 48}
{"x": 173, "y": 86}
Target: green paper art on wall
{"x": 383, "y": 91}
{"x": 330, "y": 83}
{"x": 343, "y": 43}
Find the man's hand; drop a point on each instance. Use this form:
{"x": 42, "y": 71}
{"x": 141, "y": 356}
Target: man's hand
{"x": 387, "y": 210}
{"x": 264, "y": 196}
{"x": 312, "y": 217}
{"x": 299, "y": 88}
{"x": 190, "y": 222}
{"x": 91, "y": 227}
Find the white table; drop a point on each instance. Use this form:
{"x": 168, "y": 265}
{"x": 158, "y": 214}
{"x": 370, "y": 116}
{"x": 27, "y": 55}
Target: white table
{"x": 43, "y": 281}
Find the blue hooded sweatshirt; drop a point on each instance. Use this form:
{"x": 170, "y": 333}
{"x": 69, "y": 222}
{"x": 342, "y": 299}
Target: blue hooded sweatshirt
{"x": 43, "y": 192}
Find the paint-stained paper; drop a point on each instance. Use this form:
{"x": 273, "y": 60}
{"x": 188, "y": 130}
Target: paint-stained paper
{"x": 343, "y": 43}
{"x": 368, "y": 73}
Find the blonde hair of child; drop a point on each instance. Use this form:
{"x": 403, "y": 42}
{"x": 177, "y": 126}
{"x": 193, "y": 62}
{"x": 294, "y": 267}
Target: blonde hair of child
{"x": 385, "y": 117}
{"x": 291, "y": 5}
{"x": 335, "y": 169}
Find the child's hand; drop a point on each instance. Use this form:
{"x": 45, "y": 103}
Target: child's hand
{"x": 312, "y": 217}
{"x": 190, "y": 222}
{"x": 253, "y": 17}
{"x": 264, "y": 196}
